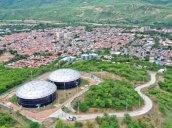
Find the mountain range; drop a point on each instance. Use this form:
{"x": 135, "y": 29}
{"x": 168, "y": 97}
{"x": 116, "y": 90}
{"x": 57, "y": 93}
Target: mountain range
{"x": 129, "y": 12}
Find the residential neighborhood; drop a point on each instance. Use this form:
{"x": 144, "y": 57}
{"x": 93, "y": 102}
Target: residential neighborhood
{"x": 41, "y": 47}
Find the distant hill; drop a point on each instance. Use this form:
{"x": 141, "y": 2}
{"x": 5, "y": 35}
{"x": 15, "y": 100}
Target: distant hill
{"x": 166, "y": 2}
{"x": 129, "y": 12}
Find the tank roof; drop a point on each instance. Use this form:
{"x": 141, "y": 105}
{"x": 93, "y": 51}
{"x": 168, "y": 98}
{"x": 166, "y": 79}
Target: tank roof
{"x": 64, "y": 75}
{"x": 36, "y": 89}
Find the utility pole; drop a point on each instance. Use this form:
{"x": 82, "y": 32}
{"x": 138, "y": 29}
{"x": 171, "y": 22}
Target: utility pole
{"x": 31, "y": 74}
{"x": 126, "y": 107}
{"x": 139, "y": 102}
{"x": 56, "y": 94}
{"x": 78, "y": 95}
{"x": 65, "y": 90}
{"x": 31, "y": 68}
{"x": 59, "y": 64}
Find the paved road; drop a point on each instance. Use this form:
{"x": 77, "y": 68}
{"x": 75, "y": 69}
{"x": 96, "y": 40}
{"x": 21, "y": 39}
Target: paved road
{"x": 148, "y": 104}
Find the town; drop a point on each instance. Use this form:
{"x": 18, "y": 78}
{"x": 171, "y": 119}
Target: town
{"x": 40, "y": 47}
{"x": 86, "y": 64}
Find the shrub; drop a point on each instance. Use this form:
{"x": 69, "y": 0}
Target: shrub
{"x": 107, "y": 121}
{"x": 90, "y": 125}
{"x": 34, "y": 125}
{"x": 78, "y": 124}
{"x": 98, "y": 120}
{"x": 129, "y": 122}
{"x": 110, "y": 94}
{"x": 59, "y": 124}
{"x": 83, "y": 107}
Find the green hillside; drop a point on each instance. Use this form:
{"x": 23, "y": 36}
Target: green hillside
{"x": 129, "y": 12}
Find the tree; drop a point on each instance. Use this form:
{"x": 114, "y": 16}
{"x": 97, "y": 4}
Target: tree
{"x": 59, "y": 124}
{"x": 110, "y": 94}
{"x": 105, "y": 124}
{"x": 6, "y": 120}
{"x": 34, "y": 125}
{"x": 90, "y": 125}
{"x": 129, "y": 122}
{"x": 83, "y": 107}
{"x": 78, "y": 124}
{"x": 14, "y": 52}
{"x": 98, "y": 120}
{"x": 107, "y": 121}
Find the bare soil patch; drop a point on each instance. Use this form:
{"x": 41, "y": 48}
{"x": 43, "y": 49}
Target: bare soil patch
{"x": 49, "y": 122}
{"x": 93, "y": 8}
{"x": 168, "y": 16}
{"x": 107, "y": 75}
{"x": 6, "y": 57}
{"x": 160, "y": 78}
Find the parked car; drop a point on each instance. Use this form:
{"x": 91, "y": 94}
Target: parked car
{"x": 71, "y": 118}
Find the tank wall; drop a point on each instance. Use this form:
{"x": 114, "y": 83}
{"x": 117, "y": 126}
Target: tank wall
{"x": 33, "y": 103}
{"x": 67, "y": 85}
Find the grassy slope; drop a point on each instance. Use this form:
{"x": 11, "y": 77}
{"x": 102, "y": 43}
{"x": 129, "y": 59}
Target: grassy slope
{"x": 113, "y": 11}
{"x": 164, "y": 100}
{"x": 163, "y": 97}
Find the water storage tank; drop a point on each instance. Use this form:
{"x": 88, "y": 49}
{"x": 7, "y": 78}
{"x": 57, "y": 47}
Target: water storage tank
{"x": 65, "y": 78}
{"x": 36, "y": 94}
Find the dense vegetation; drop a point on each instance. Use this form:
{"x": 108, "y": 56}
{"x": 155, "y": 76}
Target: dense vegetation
{"x": 126, "y": 70}
{"x": 133, "y": 12}
{"x": 135, "y": 61}
{"x": 163, "y": 97}
{"x": 164, "y": 100}
{"x": 110, "y": 94}
{"x": 129, "y": 122}
{"x": 107, "y": 121}
{"x": 34, "y": 125}
{"x": 6, "y": 121}
{"x": 29, "y": 123}
{"x": 61, "y": 124}
{"x": 102, "y": 122}
{"x": 12, "y": 77}
{"x": 140, "y": 123}
{"x": 167, "y": 83}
